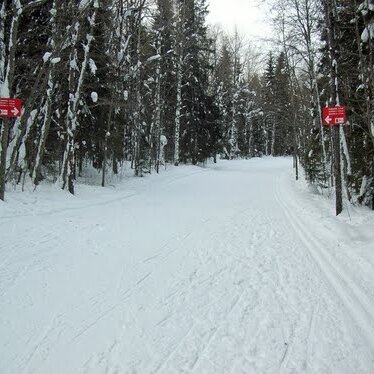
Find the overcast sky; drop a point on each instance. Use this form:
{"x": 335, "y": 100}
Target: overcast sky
{"x": 248, "y": 15}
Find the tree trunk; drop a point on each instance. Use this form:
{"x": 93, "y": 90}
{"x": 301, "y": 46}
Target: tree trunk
{"x": 178, "y": 110}
{"x": 105, "y": 150}
{"x": 337, "y": 170}
{"x": 156, "y": 126}
{"x": 7, "y": 78}
{"x": 330, "y": 16}
{"x": 67, "y": 174}
{"x": 36, "y": 173}
{"x": 4, "y": 131}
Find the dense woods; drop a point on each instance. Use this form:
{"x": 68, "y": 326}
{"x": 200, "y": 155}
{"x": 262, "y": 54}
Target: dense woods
{"x": 146, "y": 82}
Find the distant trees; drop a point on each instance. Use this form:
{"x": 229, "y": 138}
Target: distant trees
{"x": 346, "y": 30}
{"x": 109, "y": 81}
{"x": 237, "y": 99}
{"x": 277, "y": 107}
{"x": 341, "y": 72}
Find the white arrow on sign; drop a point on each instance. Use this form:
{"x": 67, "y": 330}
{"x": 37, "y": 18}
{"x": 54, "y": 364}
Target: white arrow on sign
{"x": 3, "y": 112}
{"x": 328, "y": 119}
{"x": 15, "y": 111}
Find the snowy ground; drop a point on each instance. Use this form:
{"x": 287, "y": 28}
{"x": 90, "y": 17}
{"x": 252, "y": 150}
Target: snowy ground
{"x": 231, "y": 268}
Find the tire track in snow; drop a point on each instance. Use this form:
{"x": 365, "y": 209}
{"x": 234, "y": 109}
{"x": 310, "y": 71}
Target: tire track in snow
{"x": 166, "y": 359}
{"x": 218, "y": 278}
{"x": 119, "y": 303}
{"x": 197, "y": 328}
{"x": 202, "y": 351}
{"x": 357, "y": 304}
{"x": 47, "y": 335}
{"x": 312, "y": 326}
{"x": 186, "y": 290}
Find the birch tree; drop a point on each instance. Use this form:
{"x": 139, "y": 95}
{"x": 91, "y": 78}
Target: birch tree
{"x": 7, "y": 68}
{"x": 77, "y": 73}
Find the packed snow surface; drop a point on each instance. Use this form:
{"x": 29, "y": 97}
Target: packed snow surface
{"x": 228, "y": 268}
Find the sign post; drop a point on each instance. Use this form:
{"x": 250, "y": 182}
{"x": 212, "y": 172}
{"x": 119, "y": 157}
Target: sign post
{"x": 334, "y": 115}
{"x": 10, "y": 108}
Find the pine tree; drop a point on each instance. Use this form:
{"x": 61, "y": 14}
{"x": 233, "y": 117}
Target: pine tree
{"x": 268, "y": 100}
{"x": 224, "y": 87}
{"x": 282, "y": 132}
{"x": 194, "y": 95}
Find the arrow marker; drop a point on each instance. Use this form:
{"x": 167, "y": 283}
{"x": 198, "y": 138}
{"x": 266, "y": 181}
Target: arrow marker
{"x": 328, "y": 119}
{"x": 15, "y": 111}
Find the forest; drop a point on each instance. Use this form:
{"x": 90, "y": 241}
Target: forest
{"x": 106, "y": 83}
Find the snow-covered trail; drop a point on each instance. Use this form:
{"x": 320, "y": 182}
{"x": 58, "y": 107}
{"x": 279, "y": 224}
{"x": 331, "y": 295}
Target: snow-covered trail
{"x": 225, "y": 269}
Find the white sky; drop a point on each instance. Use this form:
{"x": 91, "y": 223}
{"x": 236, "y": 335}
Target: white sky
{"x": 248, "y": 15}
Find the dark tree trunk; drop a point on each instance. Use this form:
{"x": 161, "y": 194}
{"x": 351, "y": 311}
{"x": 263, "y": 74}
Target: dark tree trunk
{"x": 330, "y": 15}
{"x": 4, "y": 145}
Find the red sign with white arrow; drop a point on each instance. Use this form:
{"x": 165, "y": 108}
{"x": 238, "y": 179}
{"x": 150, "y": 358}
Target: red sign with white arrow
{"x": 10, "y": 107}
{"x": 334, "y": 115}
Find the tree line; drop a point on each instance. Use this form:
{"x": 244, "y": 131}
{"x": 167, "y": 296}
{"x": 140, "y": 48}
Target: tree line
{"x": 146, "y": 82}
{"x": 328, "y": 46}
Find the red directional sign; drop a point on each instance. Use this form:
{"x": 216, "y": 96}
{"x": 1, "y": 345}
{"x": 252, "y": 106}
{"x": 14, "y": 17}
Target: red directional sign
{"x": 10, "y": 107}
{"x": 335, "y": 115}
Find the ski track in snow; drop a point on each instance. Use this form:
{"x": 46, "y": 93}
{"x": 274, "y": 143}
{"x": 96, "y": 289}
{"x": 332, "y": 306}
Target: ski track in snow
{"x": 224, "y": 269}
{"x": 357, "y": 303}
